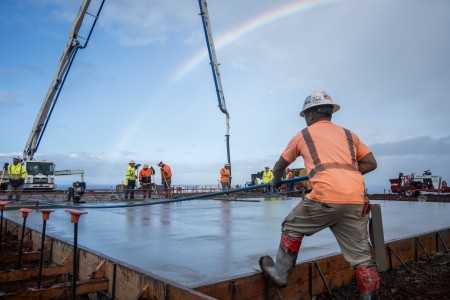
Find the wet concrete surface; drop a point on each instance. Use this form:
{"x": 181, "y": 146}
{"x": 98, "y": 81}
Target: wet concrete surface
{"x": 201, "y": 241}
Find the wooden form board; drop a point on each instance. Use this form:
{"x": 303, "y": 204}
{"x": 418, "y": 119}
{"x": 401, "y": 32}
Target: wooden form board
{"x": 17, "y": 275}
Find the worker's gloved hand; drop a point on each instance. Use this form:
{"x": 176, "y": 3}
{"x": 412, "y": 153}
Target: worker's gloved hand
{"x": 5, "y": 166}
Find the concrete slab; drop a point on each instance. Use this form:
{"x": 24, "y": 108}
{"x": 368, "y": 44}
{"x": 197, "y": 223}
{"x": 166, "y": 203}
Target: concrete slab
{"x": 201, "y": 241}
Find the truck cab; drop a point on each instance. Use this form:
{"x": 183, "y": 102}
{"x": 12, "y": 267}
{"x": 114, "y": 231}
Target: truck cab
{"x": 41, "y": 175}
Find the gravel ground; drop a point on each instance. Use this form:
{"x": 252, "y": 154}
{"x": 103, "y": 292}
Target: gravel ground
{"x": 426, "y": 279}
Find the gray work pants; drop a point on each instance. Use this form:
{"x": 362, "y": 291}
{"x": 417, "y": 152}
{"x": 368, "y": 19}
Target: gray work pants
{"x": 14, "y": 191}
{"x": 344, "y": 220}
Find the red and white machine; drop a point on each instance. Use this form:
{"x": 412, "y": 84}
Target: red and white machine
{"x": 413, "y": 185}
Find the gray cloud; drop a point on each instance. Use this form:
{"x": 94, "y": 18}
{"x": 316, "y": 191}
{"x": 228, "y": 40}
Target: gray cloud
{"x": 423, "y": 145}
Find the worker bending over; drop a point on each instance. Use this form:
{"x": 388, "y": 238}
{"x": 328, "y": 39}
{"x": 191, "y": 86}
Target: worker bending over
{"x": 166, "y": 178}
{"x": 335, "y": 158}
{"x": 145, "y": 179}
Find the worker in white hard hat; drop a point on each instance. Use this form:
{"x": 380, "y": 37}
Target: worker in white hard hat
{"x": 17, "y": 174}
{"x": 267, "y": 176}
{"x": 225, "y": 177}
{"x": 335, "y": 158}
{"x": 130, "y": 180}
{"x": 145, "y": 179}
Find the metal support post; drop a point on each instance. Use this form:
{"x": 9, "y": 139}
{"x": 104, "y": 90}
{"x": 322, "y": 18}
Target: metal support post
{"x": 25, "y": 212}
{"x": 45, "y": 217}
{"x": 2, "y": 206}
{"x": 74, "y": 218}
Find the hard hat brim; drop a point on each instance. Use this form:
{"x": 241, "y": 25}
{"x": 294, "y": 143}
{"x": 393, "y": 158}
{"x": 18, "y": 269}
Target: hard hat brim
{"x": 336, "y": 107}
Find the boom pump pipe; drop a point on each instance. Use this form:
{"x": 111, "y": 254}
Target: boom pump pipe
{"x": 208, "y": 195}
{"x": 215, "y": 71}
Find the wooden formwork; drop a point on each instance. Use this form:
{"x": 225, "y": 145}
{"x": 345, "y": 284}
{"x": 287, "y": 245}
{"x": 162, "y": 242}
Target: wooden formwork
{"x": 111, "y": 278}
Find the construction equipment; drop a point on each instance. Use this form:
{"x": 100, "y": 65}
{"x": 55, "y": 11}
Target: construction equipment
{"x": 41, "y": 173}
{"x": 215, "y": 70}
{"x": 413, "y": 185}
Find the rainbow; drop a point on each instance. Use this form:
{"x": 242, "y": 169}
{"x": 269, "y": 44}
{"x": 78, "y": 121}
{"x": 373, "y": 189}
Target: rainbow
{"x": 246, "y": 28}
{"x": 227, "y": 38}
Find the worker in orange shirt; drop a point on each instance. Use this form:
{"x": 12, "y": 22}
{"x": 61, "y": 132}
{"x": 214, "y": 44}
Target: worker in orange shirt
{"x": 166, "y": 178}
{"x": 335, "y": 158}
{"x": 225, "y": 177}
{"x": 145, "y": 179}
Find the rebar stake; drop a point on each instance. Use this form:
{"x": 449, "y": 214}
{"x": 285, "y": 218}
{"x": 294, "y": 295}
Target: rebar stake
{"x": 45, "y": 217}
{"x": 2, "y": 206}
{"x": 74, "y": 218}
{"x": 25, "y": 212}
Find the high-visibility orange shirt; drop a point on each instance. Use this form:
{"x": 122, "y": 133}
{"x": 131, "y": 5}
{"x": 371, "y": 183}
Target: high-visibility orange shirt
{"x": 145, "y": 176}
{"x": 341, "y": 184}
{"x": 166, "y": 172}
{"x": 224, "y": 175}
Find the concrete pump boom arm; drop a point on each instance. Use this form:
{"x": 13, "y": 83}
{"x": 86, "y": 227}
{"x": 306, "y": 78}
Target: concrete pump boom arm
{"x": 55, "y": 87}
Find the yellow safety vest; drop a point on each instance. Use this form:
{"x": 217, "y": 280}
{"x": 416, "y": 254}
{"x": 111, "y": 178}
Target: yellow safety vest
{"x": 131, "y": 173}
{"x": 267, "y": 176}
{"x": 17, "y": 172}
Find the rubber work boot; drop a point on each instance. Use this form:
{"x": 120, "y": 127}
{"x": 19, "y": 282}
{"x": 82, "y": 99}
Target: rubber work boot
{"x": 279, "y": 272}
{"x": 368, "y": 282}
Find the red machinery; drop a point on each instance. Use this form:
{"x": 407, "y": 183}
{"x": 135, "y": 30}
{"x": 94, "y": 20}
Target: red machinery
{"x": 412, "y": 185}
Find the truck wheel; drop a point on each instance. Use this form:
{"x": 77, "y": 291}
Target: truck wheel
{"x": 408, "y": 193}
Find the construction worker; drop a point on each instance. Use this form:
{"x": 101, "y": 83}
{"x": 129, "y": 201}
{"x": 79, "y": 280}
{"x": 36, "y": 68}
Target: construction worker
{"x": 145, "y": 179}
{"x": 335, "y": 158}
{"x": 289, "y": 175}
{"x": 17, "y": 174}
{"x": 130, "y": 179}
{"x": 267, "y": 177}
{"x": 225, "y": 177}
{"x": 166, "y": 178}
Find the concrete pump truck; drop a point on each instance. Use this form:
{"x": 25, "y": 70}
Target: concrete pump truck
{"x": 41, "y": 173}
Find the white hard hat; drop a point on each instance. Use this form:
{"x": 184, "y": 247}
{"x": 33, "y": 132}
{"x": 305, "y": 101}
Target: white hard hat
{"x": 16, "y": 157}
{"x": 132, "y": 162}
{"x": 146, "y": 165}
{"x": 317, "y": 99}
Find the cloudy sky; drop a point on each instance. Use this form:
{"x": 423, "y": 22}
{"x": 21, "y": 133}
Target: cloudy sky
{"x": 143, "y": 89}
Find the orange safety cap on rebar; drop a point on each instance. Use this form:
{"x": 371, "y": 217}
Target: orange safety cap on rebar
{"x": 75, "y": 214}
{"x": 46, "y": 214}
{"x": 3, "y": 204}
{"x": 25, "y": 212}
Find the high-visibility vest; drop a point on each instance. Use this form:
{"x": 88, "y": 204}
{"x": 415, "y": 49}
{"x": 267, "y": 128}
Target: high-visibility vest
{"x": 166, "y": 172}
{"x": 145, "y": 176}
{"x": 267, "y": 176}
{"x": 17, "y": 172}
{"x": 131, "y": 173}
{"x": 289, "y": 175}
{"x": 225, "y": 175}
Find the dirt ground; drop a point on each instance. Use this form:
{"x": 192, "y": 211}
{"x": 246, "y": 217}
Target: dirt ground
{"x": 426, "y": 279}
